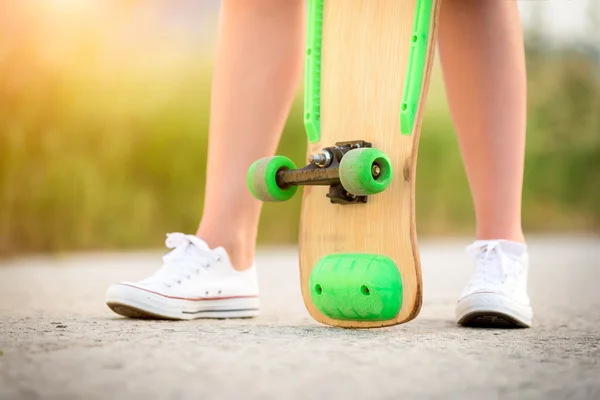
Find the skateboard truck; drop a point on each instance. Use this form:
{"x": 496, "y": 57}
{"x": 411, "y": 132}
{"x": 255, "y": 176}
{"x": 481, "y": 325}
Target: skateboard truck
{"x": 324, "y": 170}
{"x": 352, "y": 170}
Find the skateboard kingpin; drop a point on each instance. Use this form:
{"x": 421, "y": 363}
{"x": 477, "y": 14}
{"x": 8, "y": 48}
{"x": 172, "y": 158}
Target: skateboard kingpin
{"x": 367, "y": 68}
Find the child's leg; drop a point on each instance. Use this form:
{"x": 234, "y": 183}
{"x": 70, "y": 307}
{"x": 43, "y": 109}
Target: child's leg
{"x": 258, "y": 65}
{"x": 257, "y": 70}
{"x": 482, "y": 54}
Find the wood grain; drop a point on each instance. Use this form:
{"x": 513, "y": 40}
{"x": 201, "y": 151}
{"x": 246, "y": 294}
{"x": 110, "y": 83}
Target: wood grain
{"x": 364, "y": 60}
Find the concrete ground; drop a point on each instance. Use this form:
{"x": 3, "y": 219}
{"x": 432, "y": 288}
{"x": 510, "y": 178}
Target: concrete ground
{"x": 58, "y": 340}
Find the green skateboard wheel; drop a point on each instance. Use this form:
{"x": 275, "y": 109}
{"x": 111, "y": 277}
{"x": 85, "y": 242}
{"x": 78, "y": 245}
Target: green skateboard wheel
{"x": 365, "y": 171}
{"x": 357, "y": 287}
{"x": 262, "y": 179}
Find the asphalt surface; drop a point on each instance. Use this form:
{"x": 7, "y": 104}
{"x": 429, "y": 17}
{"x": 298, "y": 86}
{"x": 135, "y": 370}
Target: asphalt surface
{"x": 58, "y": 340}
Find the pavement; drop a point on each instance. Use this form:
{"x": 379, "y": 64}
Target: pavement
{"x": 58, "y": 340}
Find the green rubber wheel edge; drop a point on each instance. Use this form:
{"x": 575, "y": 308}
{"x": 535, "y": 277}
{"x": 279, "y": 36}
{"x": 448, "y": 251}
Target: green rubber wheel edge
{"x": 355, "y": 171}
{"x": 262, "y": 182}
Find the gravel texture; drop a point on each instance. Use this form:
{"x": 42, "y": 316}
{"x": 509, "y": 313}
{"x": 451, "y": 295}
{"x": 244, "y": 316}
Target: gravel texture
{"x": 58, "y": 340}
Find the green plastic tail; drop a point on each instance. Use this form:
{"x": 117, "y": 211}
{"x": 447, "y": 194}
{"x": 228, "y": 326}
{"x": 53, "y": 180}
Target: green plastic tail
{"x": 416, "y": 66}
{"x": 356, "y": 287}
{"x": 312, "y": 71}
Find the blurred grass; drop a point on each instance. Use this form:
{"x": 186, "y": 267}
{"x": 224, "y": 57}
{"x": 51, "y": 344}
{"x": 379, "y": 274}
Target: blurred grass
{"x": 104, "y": 152}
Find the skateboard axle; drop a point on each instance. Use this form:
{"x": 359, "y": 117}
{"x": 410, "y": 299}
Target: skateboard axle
{"x": 323, "y": 167}
{"x": 375, "y": 170}
{"x": 322, "y": 159}
{"x": 323, "y": 170}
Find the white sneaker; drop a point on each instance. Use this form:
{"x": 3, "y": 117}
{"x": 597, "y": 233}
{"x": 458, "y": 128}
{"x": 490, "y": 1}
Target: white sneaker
{"x": 497, "y": 292}
{"x": 194, "y": 282}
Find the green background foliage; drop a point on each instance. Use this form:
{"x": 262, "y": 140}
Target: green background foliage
{"x": 105, "y": 151}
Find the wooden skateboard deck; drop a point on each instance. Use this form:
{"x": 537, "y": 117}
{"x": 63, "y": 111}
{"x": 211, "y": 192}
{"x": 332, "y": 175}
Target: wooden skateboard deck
{"x": 367, "y": 74}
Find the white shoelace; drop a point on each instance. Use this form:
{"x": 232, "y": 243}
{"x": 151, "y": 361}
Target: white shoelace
{"x": 190, "y": 256}
{"x": 493, "y": 265}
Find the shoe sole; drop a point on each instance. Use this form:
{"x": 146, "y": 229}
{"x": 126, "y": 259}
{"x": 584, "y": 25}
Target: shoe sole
{"x": 492, "y": 310}
{"x": 133, "y": 302}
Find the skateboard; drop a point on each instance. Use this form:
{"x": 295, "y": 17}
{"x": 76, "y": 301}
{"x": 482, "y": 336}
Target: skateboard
{"x": 367, "y": 68}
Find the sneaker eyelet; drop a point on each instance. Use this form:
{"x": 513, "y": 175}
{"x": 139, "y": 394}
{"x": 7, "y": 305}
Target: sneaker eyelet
{"x": 206, "y": 293}
{"x": 179, "y": 282}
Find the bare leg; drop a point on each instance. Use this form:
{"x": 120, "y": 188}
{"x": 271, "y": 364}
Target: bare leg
{"x": 257, "y": 70}
{"x": 482, "y": 53}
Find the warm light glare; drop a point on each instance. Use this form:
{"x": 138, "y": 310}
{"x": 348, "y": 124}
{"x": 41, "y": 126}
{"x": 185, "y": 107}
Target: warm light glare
{"x": 70, "y": 4}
